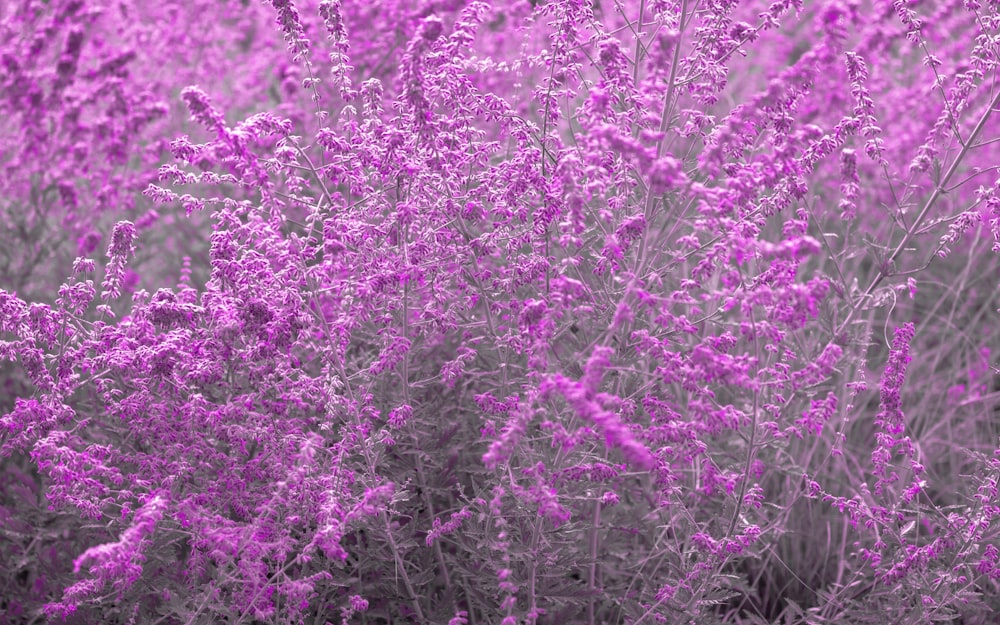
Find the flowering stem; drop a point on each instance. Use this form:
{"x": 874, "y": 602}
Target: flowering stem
{"x": 421, "y": 474}
{"x": 939, "y": 190}
{"x": 753, "y": 435}
{"x": 664, "y": 117}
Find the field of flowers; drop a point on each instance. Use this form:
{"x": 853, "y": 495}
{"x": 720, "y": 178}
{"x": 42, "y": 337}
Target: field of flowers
{"x": 525, "y": 312}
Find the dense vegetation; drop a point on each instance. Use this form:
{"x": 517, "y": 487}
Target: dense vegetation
{"x": 560, "y": 311}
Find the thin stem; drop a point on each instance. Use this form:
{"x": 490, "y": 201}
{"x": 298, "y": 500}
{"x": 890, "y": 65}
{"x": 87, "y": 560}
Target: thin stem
{"x": 638, "y": 42}
{"x": 595, "y": 523}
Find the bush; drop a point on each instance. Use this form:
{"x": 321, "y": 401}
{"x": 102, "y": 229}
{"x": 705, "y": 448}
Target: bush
{"x": 516, "y": 313}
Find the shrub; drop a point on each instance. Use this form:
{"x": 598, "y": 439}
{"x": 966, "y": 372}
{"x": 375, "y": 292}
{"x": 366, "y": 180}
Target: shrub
{"x": 535, "y": 313}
